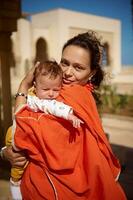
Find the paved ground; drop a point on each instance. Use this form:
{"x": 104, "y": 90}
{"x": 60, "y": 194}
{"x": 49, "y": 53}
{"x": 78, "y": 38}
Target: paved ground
{"x": 4, "y": 180}
{"x": 4, "y": 190}
{"x": 125, "y": 155}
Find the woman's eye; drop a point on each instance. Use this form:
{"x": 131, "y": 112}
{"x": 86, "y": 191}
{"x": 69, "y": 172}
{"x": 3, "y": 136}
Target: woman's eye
{"x": 78, "y": 68}
{"x": 64, "y": 63}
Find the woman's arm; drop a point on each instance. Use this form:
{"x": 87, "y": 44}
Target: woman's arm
{"x": 18, "y": 159}
{"x": 25, "y": 84}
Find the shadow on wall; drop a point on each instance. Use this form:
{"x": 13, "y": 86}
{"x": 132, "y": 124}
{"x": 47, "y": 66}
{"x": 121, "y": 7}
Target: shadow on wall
{"x": 41, "y": 50}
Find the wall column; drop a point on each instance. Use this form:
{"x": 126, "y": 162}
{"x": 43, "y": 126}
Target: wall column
{"x": 9, "y": 13}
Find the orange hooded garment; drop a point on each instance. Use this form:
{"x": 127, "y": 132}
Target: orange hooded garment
{"x": 67, "y": 163}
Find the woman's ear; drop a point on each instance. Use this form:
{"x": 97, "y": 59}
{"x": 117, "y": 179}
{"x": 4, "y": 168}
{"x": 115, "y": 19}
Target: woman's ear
{"x": 34, "y": 84}
{"x": 92, "y": 74}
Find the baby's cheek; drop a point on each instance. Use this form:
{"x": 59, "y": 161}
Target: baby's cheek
{"x": 57, "y": 94}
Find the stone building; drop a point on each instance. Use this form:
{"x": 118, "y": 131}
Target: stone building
{"x": 45, "y": 33}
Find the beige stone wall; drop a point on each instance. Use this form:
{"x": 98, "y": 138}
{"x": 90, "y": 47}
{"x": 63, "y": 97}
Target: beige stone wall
{"x": 74, "y": 31}
{"x": 119, "y": 128}
{"x": 124, "y": 80}
{"x": 63, "y": 24}
{"x": 22, "y": 46}
{"x": 56, "y": 27}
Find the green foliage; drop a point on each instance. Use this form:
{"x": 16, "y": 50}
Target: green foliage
{"x": 115, "y": 103}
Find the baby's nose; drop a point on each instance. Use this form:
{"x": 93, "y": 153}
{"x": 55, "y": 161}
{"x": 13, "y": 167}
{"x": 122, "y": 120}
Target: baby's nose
{"x": 51, "y": 93}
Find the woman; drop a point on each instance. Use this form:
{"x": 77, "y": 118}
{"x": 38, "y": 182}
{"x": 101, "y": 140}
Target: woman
{"x": 83, "y": 167}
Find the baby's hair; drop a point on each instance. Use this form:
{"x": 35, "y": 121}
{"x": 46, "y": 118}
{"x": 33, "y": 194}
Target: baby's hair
{"x": 51, "y": 68}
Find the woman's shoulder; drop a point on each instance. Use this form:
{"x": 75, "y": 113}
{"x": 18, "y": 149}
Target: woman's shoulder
{"x": 77, "y": 89}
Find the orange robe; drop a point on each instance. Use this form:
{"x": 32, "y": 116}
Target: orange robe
{"x": 67, "y": 163}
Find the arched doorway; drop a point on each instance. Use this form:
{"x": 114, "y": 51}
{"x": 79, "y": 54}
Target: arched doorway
{"x": 41, "y": 50}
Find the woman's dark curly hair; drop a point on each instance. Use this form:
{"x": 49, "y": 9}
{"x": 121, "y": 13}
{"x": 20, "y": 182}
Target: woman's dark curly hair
{"x": 92, "y": 43}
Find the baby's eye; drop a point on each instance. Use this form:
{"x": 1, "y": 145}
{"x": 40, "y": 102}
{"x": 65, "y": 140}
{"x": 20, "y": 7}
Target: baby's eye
{"x": 56, "y": 90}
{"x": 45, "y": 89}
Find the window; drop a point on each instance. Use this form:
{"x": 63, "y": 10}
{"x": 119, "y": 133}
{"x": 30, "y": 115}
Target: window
{"x": 105, "y": 55}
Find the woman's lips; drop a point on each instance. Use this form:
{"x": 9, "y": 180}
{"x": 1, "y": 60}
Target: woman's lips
{"x": 66, "y": 81}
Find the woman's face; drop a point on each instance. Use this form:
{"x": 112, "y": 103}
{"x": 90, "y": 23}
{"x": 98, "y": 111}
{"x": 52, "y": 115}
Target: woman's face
{"x": 75, "y": 63}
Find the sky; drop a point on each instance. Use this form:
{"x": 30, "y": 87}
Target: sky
{"x": 116, "y": 9}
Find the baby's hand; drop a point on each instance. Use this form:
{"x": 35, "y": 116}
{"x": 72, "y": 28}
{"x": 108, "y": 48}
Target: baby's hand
{"x": 75, "y": 120}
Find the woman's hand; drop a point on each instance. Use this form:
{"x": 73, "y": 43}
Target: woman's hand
{"x": 24, "y": 86}
{"x": 17, "y": 159}
{"x": 27, "y": 82}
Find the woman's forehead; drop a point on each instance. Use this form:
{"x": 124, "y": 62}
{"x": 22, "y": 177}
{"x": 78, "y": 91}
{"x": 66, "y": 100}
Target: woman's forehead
{"x": 76, "y": 54}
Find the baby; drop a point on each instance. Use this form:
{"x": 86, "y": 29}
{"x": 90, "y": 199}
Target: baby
{"x": 47, "y": 86}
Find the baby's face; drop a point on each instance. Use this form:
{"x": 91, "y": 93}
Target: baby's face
{"x": 47, "y": 87}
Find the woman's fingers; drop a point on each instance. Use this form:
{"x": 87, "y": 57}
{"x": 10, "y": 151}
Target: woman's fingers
{"x": 19, "y": 162}
{"x": 17, "y": 159}
{"x": 37, "y": 63}
{"x": 28, "y": 79}
{"x": 31, "y": 71}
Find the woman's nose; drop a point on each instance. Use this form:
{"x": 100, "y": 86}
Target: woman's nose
{"x": 68, "y": 72}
